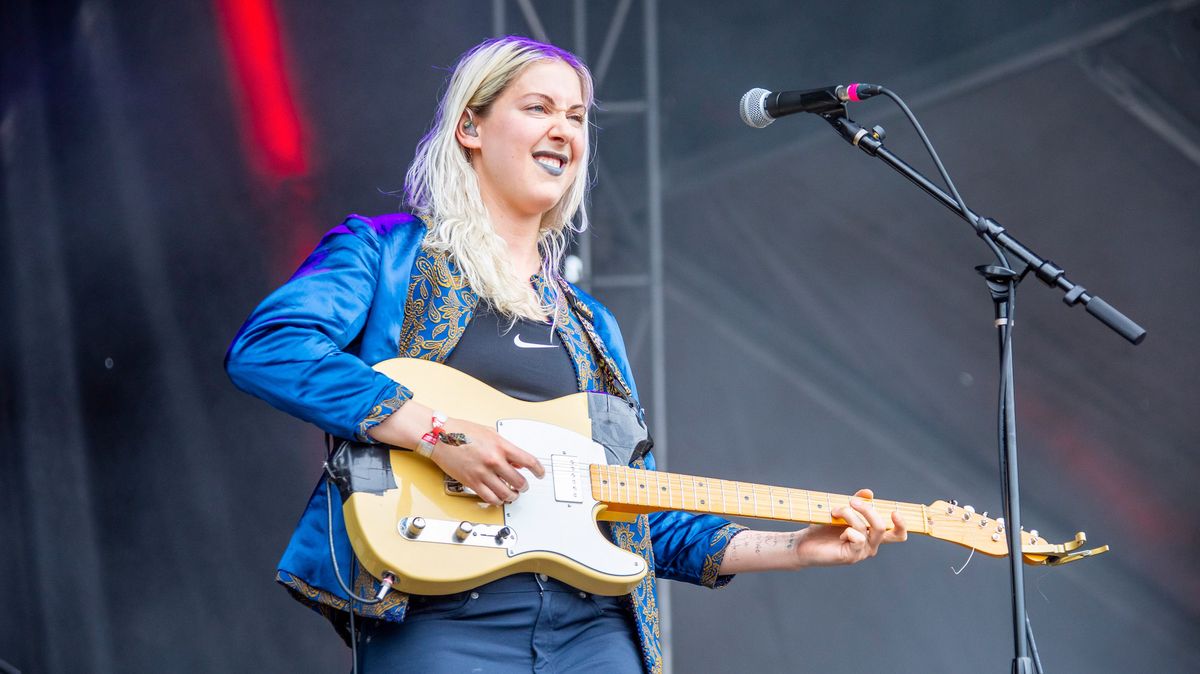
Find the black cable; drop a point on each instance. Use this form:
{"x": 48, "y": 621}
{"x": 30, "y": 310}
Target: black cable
{"x": 333, "y": 558}
{"x": 1010, "y": 302}
{"x": 329, "y": 526}
{"x": 353, "y": 645}
{"x": 937, "y": 161}
{"x": 1006, "y": 349}
{"x": 337, "y": 573}
{"x": 1037, "y": 659}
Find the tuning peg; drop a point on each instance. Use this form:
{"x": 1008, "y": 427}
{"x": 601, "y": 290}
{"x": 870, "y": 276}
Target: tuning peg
{"x": 953, "y": 502}
{"x": 1033, "y": 533}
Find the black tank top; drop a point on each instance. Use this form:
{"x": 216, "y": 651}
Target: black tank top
{"x": 526, "y": 361}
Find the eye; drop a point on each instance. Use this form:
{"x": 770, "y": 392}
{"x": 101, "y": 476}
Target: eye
{"x": 578, "y": 119}
{"x": 536, "y": 107}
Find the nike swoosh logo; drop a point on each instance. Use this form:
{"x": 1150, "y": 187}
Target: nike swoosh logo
{"x": 521, "y": 344}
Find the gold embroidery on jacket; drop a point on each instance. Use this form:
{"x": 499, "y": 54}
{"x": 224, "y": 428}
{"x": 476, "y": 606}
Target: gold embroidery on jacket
{"x": 710, "y": 573}
{"x": 382, "y": 411}
{"x": 439, "y": 307}
{"x": 614, "y": 382}
{"x": 395, "y": 603}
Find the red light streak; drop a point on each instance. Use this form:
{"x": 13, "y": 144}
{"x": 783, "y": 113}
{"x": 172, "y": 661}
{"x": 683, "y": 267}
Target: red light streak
{"x": 270, "y": 116}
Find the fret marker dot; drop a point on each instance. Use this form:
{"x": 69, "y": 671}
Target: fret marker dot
{"x": 745, "y": 498}
{"x": 819, "y": 506}
{"x": 780, "y": 501}
{"x": 701, "y": 501}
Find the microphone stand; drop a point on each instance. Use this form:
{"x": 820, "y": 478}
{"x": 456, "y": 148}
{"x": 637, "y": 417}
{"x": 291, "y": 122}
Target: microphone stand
{"x": 1002, "y": 285}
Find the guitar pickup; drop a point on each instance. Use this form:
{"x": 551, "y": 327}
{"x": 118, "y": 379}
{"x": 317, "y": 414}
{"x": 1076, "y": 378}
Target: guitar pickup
{"x": 456, "y": 488}
{"x": 565, "y": 472}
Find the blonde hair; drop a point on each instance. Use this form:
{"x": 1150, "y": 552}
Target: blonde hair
{"x": 442, "y": 186}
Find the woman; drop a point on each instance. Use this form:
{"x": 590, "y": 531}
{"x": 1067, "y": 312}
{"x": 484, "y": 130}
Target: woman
{"x": 474, "y": 282}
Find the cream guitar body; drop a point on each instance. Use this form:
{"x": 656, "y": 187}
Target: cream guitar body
{"x": 413, "y": 529}
{"x": 408, "y": 520}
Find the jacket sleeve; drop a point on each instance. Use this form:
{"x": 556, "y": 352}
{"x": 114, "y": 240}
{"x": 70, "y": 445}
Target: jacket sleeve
{"x": 689, "y": 547}
{"x": 290, "y": 352}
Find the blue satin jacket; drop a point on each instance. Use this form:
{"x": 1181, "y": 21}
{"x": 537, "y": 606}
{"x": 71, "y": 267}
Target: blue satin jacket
{"x": 370, "y": 292}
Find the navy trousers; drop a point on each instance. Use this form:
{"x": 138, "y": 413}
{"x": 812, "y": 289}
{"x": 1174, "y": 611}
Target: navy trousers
{"x": 516, "y": 625}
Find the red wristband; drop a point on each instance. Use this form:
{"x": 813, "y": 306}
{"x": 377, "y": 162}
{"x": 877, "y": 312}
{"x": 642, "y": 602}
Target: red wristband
{"x": 429, "y": 441}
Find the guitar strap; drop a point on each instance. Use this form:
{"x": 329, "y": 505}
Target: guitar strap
{"x": 359, "y": 467}
{"x": 621, "y": 428}
{"x": 617, "y": 425}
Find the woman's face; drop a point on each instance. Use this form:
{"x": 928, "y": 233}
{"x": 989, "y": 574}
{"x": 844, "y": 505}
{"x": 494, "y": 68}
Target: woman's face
{"x": 528, "y": 148}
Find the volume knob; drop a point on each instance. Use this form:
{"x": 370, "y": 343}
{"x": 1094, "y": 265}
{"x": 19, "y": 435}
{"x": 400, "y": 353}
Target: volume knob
{"x": 464, "y": 529}
{"x": 415, "y": 526}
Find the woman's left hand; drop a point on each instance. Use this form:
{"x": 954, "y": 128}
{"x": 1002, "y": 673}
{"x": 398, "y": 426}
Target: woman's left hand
{"x": 829, "y": 545}
{"x": 818, "y": 545}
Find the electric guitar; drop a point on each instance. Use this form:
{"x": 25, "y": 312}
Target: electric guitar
{"x": 409, "y": 521}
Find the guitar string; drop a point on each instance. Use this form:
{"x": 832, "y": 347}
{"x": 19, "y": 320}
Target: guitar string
{"x": 726, "y": 491}
{"x": 747, "y": 491}
{"x": 920, "y": 518}
{"x": 728, "y": 486}
{"x": 731, "y": 488}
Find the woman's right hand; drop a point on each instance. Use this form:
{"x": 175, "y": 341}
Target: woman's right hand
{"x": 487, "y": 463}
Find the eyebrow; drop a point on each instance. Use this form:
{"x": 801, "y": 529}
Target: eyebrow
{"x": 552, "y": 102}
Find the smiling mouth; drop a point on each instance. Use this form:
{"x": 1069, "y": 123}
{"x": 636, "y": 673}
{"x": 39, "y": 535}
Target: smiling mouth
{"x": 552, "y": 162}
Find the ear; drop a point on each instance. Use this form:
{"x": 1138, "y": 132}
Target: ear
{"x": 467, "y": 133}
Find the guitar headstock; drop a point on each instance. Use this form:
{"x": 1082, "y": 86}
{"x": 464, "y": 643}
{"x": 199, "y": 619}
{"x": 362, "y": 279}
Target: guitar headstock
{"x": 948, "y": 521}
{"x": 951, "y": 522}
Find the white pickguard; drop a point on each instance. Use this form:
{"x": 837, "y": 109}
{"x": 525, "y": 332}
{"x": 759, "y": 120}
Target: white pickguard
{"x": 557, "y": 513}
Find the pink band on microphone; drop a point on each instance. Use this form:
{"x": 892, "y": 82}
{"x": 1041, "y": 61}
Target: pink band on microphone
{"x": 852, "y": 92}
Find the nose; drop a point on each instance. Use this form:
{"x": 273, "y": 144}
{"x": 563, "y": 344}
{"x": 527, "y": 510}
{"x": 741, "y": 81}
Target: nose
{"x": 562, "y": 130}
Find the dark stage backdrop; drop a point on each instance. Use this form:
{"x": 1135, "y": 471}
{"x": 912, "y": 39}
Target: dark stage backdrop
{"x": 156, "y": 185}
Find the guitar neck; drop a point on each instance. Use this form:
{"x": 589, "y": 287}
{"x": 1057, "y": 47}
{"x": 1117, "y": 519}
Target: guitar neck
{"x": 632, "y": 490}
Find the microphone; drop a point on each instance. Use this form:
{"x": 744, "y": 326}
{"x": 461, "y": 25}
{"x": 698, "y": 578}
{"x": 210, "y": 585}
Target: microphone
{"x": 760, "y": 107}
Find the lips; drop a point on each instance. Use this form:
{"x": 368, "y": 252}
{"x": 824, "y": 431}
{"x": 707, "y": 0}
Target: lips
{"x": 552, "y": 162}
